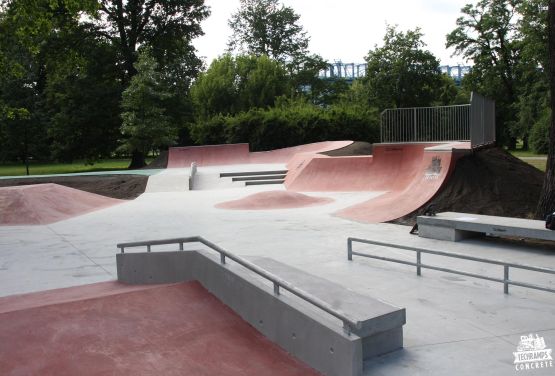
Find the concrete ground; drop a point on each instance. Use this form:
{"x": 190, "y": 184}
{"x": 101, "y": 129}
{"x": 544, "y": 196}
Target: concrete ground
{"x": 455, "y": 325}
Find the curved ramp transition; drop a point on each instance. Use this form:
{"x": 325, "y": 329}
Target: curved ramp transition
{"x": 411, "y": 174}
{"x": 41, "y": 204}
{"x": 220, "y": 155}
{"x": 164, "y": 330}
{"x": 274, "y": 200}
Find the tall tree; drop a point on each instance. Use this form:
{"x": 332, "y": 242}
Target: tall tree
{"x": 487, "y": 33}
{"x": 546, "y": 203}
{"x": 402, "y": 73}
{"x": 146, "y": 125}
{"x": 265, "y": 27}
{"x": 168, "y": 27}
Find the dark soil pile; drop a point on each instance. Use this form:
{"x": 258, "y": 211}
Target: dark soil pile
{"x": 125, "y": 187}
{"x": 356, "y": 148}
{"x": 489, "y": 181}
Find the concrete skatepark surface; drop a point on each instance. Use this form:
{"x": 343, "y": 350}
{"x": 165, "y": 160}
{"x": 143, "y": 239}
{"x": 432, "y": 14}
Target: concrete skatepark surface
{"x": 455, "y": 325}
{"x": 163, "y": 330}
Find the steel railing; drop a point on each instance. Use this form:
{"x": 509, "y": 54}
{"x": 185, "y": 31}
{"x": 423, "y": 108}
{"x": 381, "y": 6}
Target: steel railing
{"x": 419, "y": 265}
{"x": 349, "y": 324}
{"x": 426, "y": 124}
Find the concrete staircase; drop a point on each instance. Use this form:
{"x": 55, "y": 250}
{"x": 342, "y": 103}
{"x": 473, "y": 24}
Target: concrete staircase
{"x": 256, "y": 177}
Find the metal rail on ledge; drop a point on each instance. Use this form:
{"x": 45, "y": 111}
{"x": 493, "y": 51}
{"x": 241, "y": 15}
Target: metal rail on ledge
{"x": 349, "y": 324}
{"x": 419, "y": 265}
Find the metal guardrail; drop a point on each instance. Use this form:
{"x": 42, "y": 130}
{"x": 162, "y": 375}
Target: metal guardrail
{"x": 426, "y": 124}
{"x": 419, "y": 265}
{"x": 349, "y": 324}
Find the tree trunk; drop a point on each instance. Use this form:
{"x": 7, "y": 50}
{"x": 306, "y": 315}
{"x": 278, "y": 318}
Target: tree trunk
{"x": 137, "y": 160}
{"x": 547, "y": 199}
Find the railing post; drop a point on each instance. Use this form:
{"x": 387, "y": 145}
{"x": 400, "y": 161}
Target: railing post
{"x": 148, "y": 248}
{"x": 506, "y": 279}
{"x": 181, "y": 246}
{"x": 418, "y": 262}
{"x": 347, "y": 328}
{"x": 415, "y": 130}
{"x": 122, "y": 249}
{"x": 276, "y": 288}
{"x": 222, "y": 258}
{"x": 350, "y": 249}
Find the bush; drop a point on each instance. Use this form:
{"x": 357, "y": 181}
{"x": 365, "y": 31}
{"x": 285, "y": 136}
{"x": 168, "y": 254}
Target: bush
{"x": 289, "y": 124}
{"x": 539, "y": 136}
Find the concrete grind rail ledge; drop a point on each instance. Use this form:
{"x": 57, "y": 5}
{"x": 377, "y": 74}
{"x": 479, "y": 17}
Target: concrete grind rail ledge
{"x": 453, "y": 226}
{"x": 296, "y": 326}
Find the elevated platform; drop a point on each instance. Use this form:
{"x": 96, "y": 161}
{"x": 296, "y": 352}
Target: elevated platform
{"x": 300, "y": 328}
{"x": 453, "y": 226}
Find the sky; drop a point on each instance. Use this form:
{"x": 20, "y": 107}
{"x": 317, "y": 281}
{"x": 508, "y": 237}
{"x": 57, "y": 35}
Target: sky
{"x": 347, "y": 29}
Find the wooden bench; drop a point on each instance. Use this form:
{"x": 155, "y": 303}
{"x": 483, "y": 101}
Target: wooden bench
{"x": 455, "y": 226}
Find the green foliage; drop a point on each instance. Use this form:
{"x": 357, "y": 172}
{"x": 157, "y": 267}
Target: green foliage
{"x": 235, "y": 84}
{"x": 146, "y": 125}
{"x": 539, "y": 136}
{"x": 401, "y": 73}
{"x": 506, "y": 40}
{"x": 264, "y": 27}
{"x": 290, "y": 123}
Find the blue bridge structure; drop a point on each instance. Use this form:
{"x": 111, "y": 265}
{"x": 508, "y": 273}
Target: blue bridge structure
{"x": 351, "y": 71}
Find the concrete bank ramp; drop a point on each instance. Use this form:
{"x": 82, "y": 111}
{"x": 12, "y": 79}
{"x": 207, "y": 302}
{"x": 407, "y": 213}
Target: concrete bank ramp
{"x": 110, "y": 328}
{"x": 42, "y": 204}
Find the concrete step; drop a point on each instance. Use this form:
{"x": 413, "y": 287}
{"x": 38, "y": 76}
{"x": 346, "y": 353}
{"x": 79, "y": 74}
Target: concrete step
{"x": 261, "y": 177}
{"x": 264, "y": 182}
{"x": 252, "y": 173}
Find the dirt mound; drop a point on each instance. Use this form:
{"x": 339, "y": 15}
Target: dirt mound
{"x": 356, "y": 148}
{"x": 489, "y": 181}
{"x": 274, "y": 200}
{"x": 124, "y": 187}
{"x": 47, "y": 203}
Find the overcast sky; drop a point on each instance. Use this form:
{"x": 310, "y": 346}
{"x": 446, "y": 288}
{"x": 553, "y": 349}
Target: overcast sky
{"x": 347, "y": 29}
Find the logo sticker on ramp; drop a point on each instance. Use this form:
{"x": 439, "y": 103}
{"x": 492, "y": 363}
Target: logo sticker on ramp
{"x": 434, "y": 169}
{"x": 532, "y": 353}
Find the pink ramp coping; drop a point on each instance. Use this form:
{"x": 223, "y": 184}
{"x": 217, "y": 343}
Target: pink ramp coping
{"x": 274, "y": 200}
{"x": 41, "y": 204}
{"x": 410, "y": 173}
{"x": 178, "y": 329}
{"x": 219, "y": 155}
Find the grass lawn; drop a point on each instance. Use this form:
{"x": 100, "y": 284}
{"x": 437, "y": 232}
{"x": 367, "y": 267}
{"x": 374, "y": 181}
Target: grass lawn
{"x": 64, "y": 168}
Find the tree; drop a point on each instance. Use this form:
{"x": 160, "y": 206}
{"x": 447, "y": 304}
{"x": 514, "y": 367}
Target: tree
{"x": 401, "y": 73}
{"x": 264, "y": 27}
{"x": 146, "y": 125}
{"x": 235, "y": 84}
{"x": 167, "y": 27}
{"x": 487, "y": 33}
{"x": 546, "y": 203}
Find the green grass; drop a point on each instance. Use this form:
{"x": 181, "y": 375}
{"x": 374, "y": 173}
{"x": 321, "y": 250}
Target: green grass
{"x": 64, "y": 168}
{"x": 519, "y": 153}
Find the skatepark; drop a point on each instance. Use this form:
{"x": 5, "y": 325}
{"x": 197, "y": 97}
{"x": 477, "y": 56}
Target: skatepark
{"x": 238, "y": 263}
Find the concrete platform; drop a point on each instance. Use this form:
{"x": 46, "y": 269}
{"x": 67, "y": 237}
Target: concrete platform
{"x": 454, "y": 226}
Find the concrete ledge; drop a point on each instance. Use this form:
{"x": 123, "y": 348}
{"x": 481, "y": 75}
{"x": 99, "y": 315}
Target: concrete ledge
{"x": 301, "y": 329}
{"x": 455, "y": 226}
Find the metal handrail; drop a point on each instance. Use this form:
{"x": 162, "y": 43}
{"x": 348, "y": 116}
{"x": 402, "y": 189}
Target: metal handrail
{"x": 419, "y": 265}
{"x": 349, "y": 324}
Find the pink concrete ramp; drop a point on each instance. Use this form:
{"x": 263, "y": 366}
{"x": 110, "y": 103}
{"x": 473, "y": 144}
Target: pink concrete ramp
{"x": 47, "y": 203}
{"x": 410, "y": 174}
{"x": 220, "y": 155}
{"x": 164, "y": 330}
{"x": 274, "y": 200}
